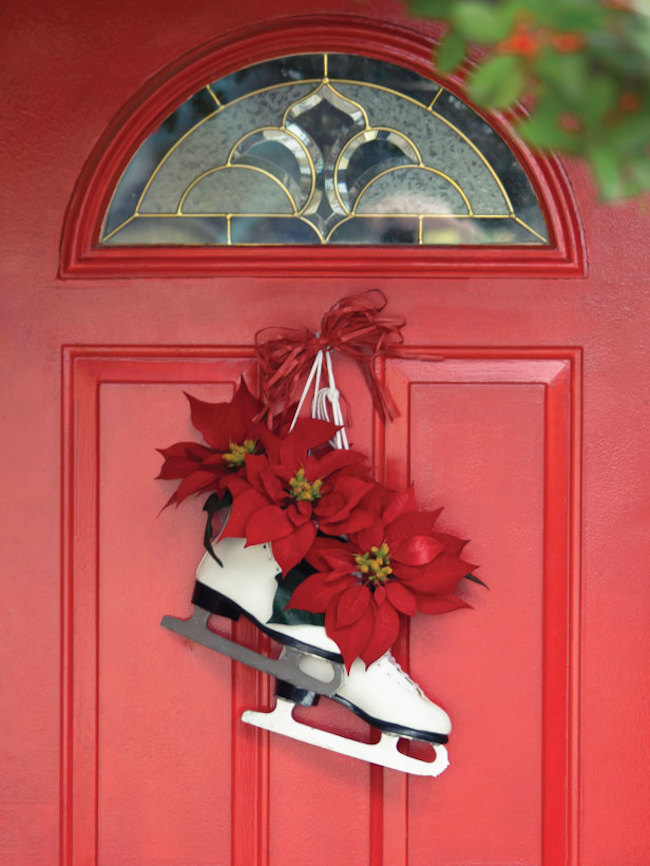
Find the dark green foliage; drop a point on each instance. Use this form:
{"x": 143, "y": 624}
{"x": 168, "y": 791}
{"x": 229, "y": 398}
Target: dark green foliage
{"x": 581, "y": 67}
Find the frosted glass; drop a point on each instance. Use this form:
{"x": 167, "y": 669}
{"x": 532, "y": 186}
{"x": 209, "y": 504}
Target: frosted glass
{"x": 324, "y": 149}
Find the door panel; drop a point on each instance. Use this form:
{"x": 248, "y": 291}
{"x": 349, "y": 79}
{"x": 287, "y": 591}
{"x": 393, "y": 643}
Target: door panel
{"x": 161, "y": 764}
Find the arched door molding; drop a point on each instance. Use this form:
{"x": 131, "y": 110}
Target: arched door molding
{"x": 83, "y": 257}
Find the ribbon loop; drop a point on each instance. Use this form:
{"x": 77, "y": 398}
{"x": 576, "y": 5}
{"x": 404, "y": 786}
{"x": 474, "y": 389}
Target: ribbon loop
{"x": 353, "y": 326}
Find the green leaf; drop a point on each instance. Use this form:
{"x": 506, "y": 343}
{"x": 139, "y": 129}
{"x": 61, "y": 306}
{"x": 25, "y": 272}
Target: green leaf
{"x": 607, "y": 171}
{"x": 483, "y": 22}
{"x": 537, "y": 132}
{"x": 572, "y": 15}
{"x": 281, "y": 598}
{"x": 543, "y": 130}
{"x": 565, "y": 74}
{"x": 600, "y": 97}
{"x": 640, "y": 169}
{"x": 430, "y": 8}
{"x": 632, "y": 133}
{"x": 498, "y": 82}
{"x": 476, "y": 579}
{"x": 450, "y": 52}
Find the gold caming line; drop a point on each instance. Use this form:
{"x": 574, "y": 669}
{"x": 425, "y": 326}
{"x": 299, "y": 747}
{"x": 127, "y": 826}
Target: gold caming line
{"x": 296, "y": 139}
{"x": 530, "y": 229}
{"x": 217, "y": 101}
{"x": 353, "y": 139}
{"x": 435, "y": 98}
{"x": 448, "y": 123}
{"x": 446, "y": 177}
{"x": 325, "y": 80}
{"x": 234, "y": 168}
{"x": 228, "y": 217}
{"x": 297, "y": 101}
{"x": 209, "y": 117}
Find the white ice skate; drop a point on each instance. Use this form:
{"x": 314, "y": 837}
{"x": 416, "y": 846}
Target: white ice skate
{"x": 310, "y": 665}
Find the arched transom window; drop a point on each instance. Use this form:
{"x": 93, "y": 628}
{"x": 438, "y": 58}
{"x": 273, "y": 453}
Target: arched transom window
{"x": 324, "y": 149}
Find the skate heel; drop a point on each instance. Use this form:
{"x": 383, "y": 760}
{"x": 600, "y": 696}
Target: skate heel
{"x": 212, "y": 601}
{"x": 292, "y": 693}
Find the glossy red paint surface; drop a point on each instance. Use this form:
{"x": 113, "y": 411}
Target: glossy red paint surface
{"x": 121, "y": 743}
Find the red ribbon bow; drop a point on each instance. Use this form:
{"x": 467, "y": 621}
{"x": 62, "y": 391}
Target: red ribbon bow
{"x": 354, "y": 326}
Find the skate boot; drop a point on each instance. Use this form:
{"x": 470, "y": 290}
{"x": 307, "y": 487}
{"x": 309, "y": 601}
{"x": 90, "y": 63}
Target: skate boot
{"x": 310, "y": 665}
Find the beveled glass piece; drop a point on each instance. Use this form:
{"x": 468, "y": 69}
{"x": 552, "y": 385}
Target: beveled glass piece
{"x": 324, "y": 149}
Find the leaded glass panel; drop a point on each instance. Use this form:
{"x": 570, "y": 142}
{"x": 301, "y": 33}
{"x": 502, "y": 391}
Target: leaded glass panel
{"x": 324, "y": 149}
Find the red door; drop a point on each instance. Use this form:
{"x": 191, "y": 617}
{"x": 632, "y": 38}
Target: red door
{"x": 523, "y": 410}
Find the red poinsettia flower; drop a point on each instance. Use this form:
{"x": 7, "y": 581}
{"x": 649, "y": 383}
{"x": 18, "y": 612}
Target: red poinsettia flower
{"x": 390, "y": 569}
{"x": 231, "y": 434}
{"x": 294, "y": 489}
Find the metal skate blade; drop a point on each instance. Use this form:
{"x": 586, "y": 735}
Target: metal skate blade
{"x": 286, "y": 668}
{"x": 385, "y": 753}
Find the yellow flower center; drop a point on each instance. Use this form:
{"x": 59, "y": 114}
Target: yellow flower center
{"x": 374, "y": 564}
{"x": 236, "y": 455}
{"x": 303, "y": 490}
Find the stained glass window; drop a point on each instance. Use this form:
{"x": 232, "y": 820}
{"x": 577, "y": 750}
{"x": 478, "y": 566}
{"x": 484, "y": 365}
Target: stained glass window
{"x": 324, "y": 149}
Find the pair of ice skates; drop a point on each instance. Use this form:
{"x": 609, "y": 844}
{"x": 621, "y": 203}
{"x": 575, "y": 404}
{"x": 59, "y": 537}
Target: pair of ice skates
{"x": 243, "y": 582}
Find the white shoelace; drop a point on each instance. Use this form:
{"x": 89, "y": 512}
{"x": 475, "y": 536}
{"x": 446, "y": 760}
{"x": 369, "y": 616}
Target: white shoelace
{"x": 389, "y": 660}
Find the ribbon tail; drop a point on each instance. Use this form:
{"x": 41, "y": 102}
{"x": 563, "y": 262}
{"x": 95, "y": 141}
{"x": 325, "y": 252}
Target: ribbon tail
{"x": 381, "y": 399}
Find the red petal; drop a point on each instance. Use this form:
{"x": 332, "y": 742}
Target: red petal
{"x": 452, "y": 544}
{"x": 335, "y": 460}
{"x": 267, "y": 524}
{"x": 347, "y": 492}
{"x": 311, "y": 432}
{"x": 316, "y": 592}
{"x": 208, "y": 419}
{"x": 194, "y": 483}
{"x": 365, "y": 539}
{"x": 264, "y": 477}
{"x": 384, "y": 633}
{"x": 181, "y": 467}
{"x": 247, "y": 501}
{"x": 402, "y": 503}
{"x": 330, "y": 504}
{"x": 188, "y": 450}
{"x": 255, "y": 465}
{"x": 335, "y": 575}
{"x": 271, "y": 443}
{"x": 273, "y": 486}
{"x": 356, "y": 522}
{"x": 237, "y": 421}
{"x": 400, "y": 597}
{"x": 379, "y": 595}
{"x": 439, "y": 577}
{"x": 352, "y": 604}
{"x": 416, "y": 550}
{"x": 328, "y": 553}
{"x": 440, "y": 603}
{"x": 290, "y": 550}
{"x": 413, "y": 523}
{"x": 353, "y": 639}
{"x": 247, "y": 405}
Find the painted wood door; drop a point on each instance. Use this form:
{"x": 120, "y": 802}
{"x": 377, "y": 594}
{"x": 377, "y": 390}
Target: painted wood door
{"x": 523, "y": 410}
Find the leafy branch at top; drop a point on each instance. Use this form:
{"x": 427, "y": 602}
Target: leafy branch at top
{"x": 581, "y": 68}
